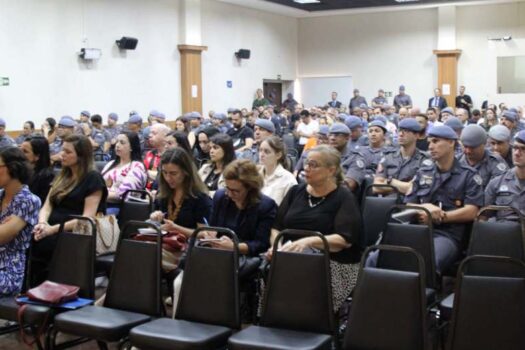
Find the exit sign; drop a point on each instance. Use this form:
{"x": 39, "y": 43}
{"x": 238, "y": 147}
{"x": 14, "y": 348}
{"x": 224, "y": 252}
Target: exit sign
{"x": 4, "y": 81}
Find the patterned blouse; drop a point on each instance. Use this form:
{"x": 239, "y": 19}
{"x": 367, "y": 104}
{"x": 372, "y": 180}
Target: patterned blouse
{"x": 128, "y": 177}
{"x": 26, "y": 206}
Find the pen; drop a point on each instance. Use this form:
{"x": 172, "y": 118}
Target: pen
{"x": 205, "y": 221}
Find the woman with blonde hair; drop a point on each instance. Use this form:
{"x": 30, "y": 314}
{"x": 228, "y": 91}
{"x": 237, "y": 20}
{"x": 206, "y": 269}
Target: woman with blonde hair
{"x": 326, "y": 205}
{"x": 78, "y": 190}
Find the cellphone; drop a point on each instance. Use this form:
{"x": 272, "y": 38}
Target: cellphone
{"x": 204, "y": 240}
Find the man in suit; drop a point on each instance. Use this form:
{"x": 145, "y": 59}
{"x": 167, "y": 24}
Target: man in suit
{"x": 438, "y": 100}
{"x": 334, "y": 103}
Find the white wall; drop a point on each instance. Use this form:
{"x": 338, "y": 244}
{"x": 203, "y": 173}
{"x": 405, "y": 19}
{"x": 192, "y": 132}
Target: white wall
{"x": 477, "y": 65}
{"x": 38, "y": 45}
{"x": 379, "y": 50}
{"x": 226, "y": 28}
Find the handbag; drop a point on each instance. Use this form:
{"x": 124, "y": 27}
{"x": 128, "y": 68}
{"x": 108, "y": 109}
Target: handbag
{"x": 108, "y": 232}
{"x": 174, "y": 245}
{"x": 49, "y": 293}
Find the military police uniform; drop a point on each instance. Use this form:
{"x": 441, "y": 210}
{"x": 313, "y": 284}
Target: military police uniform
{"x": 99, "y": 137}
{"x": 394, "y": 166}
{"x": 450, "y": 190}
{"x": 372, "y": 157}
{"x": 489, "y": 167}
{"x": 506, "y": 190}
{"x": 353, "y": 165}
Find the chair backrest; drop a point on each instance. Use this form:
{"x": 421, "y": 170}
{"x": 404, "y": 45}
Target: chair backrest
{"x": 489, "y": 311}
{"x": 73, "y": 260}
{"x": 499, "y": 238}
{"x": 388, "y": 306}
{"x": 375, "y": 210}
{"x": 210, "y": 284}
{"x": 135, "y": 207}
{"x": 134, "y": 283}
{"x": 99, "y": 163}
{"x": 415, "y": 236}
{"x": 298, "y": 295}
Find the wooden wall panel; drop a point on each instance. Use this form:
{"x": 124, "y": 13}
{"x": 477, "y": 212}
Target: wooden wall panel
{"x": 447, "y": 61}
{"x": 191, "y": 75}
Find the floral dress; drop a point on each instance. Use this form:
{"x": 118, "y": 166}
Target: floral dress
{"x": 26, "y": 206}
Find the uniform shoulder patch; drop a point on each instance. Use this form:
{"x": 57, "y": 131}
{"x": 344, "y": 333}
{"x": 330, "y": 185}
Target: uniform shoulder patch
{"x": 427, "y": 162}
{"x": 478, "y": 179}
{"x": 360, "y": 163}
{"x": 501, "y": 166}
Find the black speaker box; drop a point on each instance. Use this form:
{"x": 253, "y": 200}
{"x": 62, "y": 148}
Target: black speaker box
{"x": 243, "y": 54}
{"x": 127, "y": 43}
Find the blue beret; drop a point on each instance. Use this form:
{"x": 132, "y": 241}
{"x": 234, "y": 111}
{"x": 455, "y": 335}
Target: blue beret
{"x": 499, "y": 133}
{"x": 2, "y": 122}
{"x": 231, "y": 110}
{"x": 113, "y": 116}
{"x": 220, "y": 116}
{"x": 323, "y": 130}
{"x": 67, "y": 121}
{"x": 154, "y": 113}
{"x": 402, "y": 87}
{"x": 473, "y": 135}
{"x": 381, "y": 118}
{"x": 194, "y": 115}
{"x": 520, "y": 137}
{"x": 514, "y": 110}
{"x": 162, "y": 116}
{"x": 513, "y": 117}
{"x": 378, "y": 123}
{"x": 135, "y": 119}
{"x": 363, "y": 106}
{"x": 342, "y": 117}
{"x": 85, "y": 114}
{"x": 265, "y": 124}
{"x": 454, "y": 123}
{"x": 410, "y": 124}
{"x": 339, "y": 128}
{"x": 443, "y": 132}
{"x": 353, "y": 122}
{"x": 448, "y": 110}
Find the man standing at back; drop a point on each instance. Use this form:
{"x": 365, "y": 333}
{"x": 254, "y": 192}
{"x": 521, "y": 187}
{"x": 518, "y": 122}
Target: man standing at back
{"x": 437, "y": 101}
{"x": 402, "y": 99}
{"x": 333, "y": 102}
{"x": 463, "y": 101}
{"x": 357, "y": 101}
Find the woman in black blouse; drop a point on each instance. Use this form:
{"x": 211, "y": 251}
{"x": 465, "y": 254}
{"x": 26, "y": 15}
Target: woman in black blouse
{"x": 221, "y": 154}
{"x": 78, "y": 190}
{"x": 324, "y": 204}
{"x": 36, "y": 150}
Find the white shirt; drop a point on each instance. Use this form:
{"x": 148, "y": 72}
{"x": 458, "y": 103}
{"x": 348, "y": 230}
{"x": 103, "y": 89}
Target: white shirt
{"x": 309, "y": 129}
{"x": 276, "y": 185}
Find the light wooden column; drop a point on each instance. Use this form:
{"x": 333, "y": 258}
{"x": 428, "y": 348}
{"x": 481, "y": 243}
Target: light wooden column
{"x": 447, "y": 61}
{"x": 191, "y": 77}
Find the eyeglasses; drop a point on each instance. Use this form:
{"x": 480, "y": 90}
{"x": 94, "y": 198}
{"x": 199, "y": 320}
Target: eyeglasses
{"x": 520, "y": 149}
{"x": 233, "y": 191}
{"x": 312, "y": 164}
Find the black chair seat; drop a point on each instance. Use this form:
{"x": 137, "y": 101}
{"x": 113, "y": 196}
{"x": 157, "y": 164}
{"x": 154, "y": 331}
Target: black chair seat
{"x": 167, "y": 334}
{"x": 445, "y": 307}
{"x": 33, "y": 314}
{"x": 431, "y": 295}
{"x": 105, "y": 262}
{"x": 278, "y": 339}
{"x": 100, "y": 323}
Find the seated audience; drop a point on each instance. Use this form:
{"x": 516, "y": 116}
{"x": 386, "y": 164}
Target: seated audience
{"x": 124, "y": 173}
{"x": 36, "y": 150}
{"x": 48, "y": 130}
{"x": 78, "y": 190}
{"x": 5, "y": 140}
{"x": 182, "y": 125}
{"x": 326, "y": 205}
{"x": 157, "y": 140}
{"x": 221, "y": 154}
{"x": 277, "y": 180}
{"x": 177, "y": 139}
{"x": 28, "y": 130}
{"x": 18, "y": 215}
{"x": 201, "y": 150}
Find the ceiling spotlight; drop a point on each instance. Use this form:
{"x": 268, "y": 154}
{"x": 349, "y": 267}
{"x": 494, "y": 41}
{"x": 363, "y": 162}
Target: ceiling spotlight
{"x": 307, "y": 1}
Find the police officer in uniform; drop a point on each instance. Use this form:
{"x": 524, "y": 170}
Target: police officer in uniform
{"x": 352, "y": 162}
{"x": 451, "y": 191}
{"x": 5, "y": 140}
{"x": 66, "y": 126}
{"x": 135, "y": 125}
{"x": 355, "y": 124}
{"x": 112, "y": 131}
{"x": 508, "y": 189}
{"x": 499, "y": 142}
{"x": 488, "y": 164}
{"x": 373, "y": 153}
{"x": 399, "y": 166}
{"x": 263, "y": 128}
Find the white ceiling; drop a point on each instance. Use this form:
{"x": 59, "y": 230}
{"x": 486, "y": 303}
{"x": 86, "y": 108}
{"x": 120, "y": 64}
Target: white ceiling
{"x": 292, "y": 12}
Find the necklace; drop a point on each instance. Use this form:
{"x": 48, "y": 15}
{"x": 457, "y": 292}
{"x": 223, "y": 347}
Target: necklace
{"x": 313, "y": 205}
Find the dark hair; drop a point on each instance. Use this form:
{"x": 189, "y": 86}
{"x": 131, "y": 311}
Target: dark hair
{"x": 134, "y": 143}
{"x": 304, "y": 113}
{"x": 278, "y": 146}
{"x": 476, "y": 112}
{"x": 226, "y": 143}
{"x": 40, "y": 148}
{"x": 184, "y": 121}
{"x": 64, "y": 182}
{"x": 422, "y": 115}
{"x": 182, "y": 140}
{"x": 96, "y": 118}
{"x": 16, "y": 163}
{"x": 52, "y": 123}
{"x": 192, "y": 181}
{"x": 209, "y": 132}
{"x": 31, "y": 124}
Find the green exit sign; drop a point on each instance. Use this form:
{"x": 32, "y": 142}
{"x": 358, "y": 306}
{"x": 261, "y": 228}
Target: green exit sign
{"x": 4, "y": 81}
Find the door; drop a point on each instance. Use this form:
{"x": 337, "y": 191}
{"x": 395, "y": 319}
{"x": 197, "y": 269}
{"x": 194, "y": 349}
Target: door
{"x": 274, "y": 93}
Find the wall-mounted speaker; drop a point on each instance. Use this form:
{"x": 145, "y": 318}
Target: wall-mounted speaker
{"x": 127, "y": 43}
{"x": 243, "y": 54}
